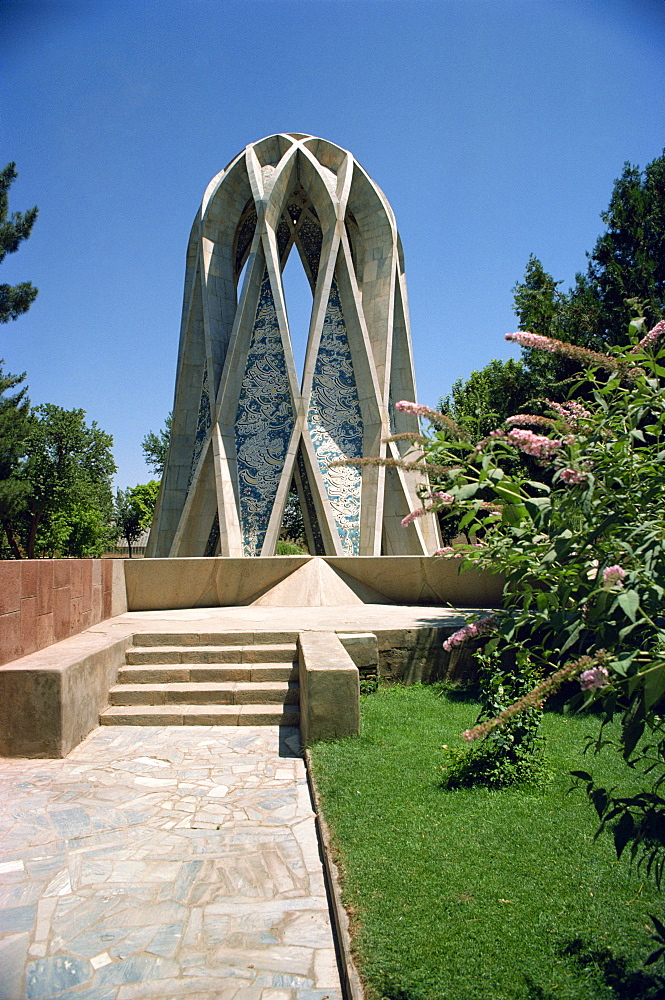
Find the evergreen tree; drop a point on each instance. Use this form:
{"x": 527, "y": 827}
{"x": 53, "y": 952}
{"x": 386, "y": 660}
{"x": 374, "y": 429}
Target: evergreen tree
{"x": 625, "y": 274}
{"x": 14, "y": 431}
{"x": 14, "y": 299}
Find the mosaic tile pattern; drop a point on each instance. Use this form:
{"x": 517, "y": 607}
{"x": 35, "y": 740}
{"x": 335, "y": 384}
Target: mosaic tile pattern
{"x": 164, "y": 863}
{"x": 319, "y": 548}
{"x": 202, "y": 423}
{"x": 213, "y": 537}
{"x": 283, "y": 238}
{"x": 310, "y": 238}
{"x": 335, "y": 423}
{"x": 264, "y": 423}
{"x": 244, "y": 236}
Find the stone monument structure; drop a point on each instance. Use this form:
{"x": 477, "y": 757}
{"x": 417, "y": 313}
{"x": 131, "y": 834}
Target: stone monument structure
{"x": 247, "y": 427}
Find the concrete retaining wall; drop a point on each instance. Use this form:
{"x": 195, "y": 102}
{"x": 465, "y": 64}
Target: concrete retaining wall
{"x": 223, "y": 581}
{"x": 49, "y": 701}
{"x": 45, "y": 600}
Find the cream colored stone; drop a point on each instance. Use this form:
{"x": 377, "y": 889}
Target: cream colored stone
{"x": 360, "y": 249}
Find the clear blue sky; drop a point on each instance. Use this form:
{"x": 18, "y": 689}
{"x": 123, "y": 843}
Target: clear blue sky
{"x": 495, "y": 127}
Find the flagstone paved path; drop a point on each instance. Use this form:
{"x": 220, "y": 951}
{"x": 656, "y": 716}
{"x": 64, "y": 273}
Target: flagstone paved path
{"x": 165, "y": 863}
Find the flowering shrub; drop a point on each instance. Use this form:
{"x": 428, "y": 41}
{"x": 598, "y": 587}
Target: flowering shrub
{"x": 583, "y": 556}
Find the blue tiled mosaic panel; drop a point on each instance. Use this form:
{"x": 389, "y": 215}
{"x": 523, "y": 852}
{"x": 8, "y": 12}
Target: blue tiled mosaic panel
{"x": 309, "y": 237}
{"x": 319, "y": 547}
{"x": 202, "y": 423}
{"x": 335, "y": 423}
{"x": 264, "y": 423}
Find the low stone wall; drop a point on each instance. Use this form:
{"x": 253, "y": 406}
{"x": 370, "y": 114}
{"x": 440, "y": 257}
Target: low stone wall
{"x": 329, "y": 688}
{"x": 408, "y": 656}
{"x": 51, "y": 699}
{"x": 45, "y": 600}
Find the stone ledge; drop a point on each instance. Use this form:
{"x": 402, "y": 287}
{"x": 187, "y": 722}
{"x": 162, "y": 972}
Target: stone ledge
{"x": 329, "y": 688}
{"x": 51, "y": 699}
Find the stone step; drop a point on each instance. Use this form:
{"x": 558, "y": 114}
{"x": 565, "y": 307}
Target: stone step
{"x": 200, "y": 715}
{"x": 221, "y": 693}
{"x": 172, "y": 673}
{"x": 212, "y": 638}
{"x": 258, "y": 653}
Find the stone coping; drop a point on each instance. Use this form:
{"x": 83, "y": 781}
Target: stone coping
{"x": 350, "y": 979}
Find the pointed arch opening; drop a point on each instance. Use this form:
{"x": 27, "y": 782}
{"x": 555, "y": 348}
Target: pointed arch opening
{"x": 298, "y": 298}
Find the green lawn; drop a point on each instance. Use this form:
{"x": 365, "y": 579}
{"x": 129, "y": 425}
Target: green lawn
{"x": 478, "y": 894}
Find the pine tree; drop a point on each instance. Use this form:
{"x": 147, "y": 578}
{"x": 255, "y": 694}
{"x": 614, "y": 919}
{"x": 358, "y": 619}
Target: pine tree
{"x": 14, "y": 299}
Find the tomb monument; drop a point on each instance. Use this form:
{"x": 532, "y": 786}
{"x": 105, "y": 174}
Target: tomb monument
{"x": 248, "y": 427}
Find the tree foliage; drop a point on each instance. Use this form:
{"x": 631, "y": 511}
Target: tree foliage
{"x": 156, "y": 446}
{"x": 624, "y": 277}
{"x": 625, "y": 274}
{"x": 14, "y": 228}
{"x": 60, "y": 475}
{"x": 134, "y": 509}
{"x": 582, "y": 550}
{"x": 490, "y": 395}
{"x": 14, "y": 432}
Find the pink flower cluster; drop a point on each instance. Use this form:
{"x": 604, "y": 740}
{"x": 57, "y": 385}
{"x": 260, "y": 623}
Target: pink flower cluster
{"x": 613, "y": 576}
{"x": 447, "y": 550}
{"x": 538, "y": 445}
{"x": 571, "y": 411}
{"x": 528, "y": 420}
{"x": 597, "y": 677}
{"x": 583, "y": 354}
{"x": 418, "y": 410}
{"x": 651, "y": 337}
{"x": 572, "y": 477}
{"x": 441, "y": 496}
{"x": 419, "y": 512}
{"x": 469, "y": 632}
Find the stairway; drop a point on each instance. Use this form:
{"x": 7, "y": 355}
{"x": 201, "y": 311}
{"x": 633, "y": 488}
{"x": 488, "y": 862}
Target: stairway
{"x": 206, "y": 680}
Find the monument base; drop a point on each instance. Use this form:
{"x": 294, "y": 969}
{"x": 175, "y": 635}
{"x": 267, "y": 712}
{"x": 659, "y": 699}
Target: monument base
{"x": 306, "y": 581}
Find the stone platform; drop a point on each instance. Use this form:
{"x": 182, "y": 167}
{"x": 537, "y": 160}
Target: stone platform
{"x": 51, "y": 699}
{"x": 165, "y": 863}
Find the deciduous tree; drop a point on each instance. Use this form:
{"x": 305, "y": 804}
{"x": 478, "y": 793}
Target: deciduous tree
{"x": 66, "y": 469}
{"x": 155, "y": 447}
{"x": 134, "y": 510}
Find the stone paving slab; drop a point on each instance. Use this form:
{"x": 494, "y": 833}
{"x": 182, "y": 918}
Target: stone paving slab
{"x": 262, "y": 625}
{"x": 164, "y": 863}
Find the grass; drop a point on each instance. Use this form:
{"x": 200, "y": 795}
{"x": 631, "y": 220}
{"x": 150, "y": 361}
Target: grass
{"x": 479, "y": 894}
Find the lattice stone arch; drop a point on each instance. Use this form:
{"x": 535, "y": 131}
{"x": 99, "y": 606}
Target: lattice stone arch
{"x": 245, "y": 425}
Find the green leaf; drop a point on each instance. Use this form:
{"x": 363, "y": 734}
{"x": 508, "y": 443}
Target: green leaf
{"x": 466, "y": 492}
{"x": 508, "y": 491}
{"x": 629, "y": 602}
{"x": 513, "y": 513}
{"x": 654, "y": 686}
